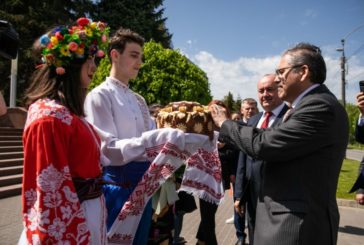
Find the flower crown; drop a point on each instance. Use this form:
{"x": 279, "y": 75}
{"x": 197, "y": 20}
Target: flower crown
{"x": 65, "y": 44}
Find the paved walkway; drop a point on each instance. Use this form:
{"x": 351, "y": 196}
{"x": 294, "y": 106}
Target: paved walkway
{"x": 354, "y": 154}
{"x": 351, "y": 230}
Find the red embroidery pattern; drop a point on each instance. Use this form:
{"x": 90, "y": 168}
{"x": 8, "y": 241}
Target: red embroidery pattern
{"x": 207, "y": 162}
{"x": 167, "y": 149}
{"x": 121, "y": 238}
{"x": 151, "y": 181}
{"x": 144, "y": 109}
{"x": 201, "y": 186}
{"x": 48, "y": 108}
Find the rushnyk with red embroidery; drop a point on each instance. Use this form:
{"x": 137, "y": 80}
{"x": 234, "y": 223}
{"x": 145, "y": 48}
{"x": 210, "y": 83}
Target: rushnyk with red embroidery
{"x": 167, "y": 153}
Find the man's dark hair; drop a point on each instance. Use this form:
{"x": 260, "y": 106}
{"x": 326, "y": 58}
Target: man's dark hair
{"x": 123, "y": 36}
{"x": 310, "y": 55}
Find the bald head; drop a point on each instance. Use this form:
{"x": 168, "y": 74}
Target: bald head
{"x": 268, "y": 93}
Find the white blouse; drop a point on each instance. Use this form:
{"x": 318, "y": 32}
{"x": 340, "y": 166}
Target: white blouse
{"x": 119, "y": 114}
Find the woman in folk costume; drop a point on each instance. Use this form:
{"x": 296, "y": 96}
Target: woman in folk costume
{"x": 62, "y": 200}
{"x": 121, "y": 114}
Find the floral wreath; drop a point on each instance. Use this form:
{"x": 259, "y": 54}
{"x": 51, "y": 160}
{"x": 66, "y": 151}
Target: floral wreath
{"x": 65, "y": 44}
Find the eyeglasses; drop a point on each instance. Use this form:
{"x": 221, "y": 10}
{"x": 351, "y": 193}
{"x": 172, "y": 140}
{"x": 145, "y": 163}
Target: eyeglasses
{"x": 280, "y": 72}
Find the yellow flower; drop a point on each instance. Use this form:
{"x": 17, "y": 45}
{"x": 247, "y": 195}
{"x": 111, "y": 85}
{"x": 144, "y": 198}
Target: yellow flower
{"x": 88, "y": 32}
{"x": 54, "y": 40}
{"x": 64, "y": 50}
{"x": 93, "y": 25}
{"x": 80, "y": 51}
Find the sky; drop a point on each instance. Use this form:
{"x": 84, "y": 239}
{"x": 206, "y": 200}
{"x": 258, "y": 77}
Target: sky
{"x": 236, "y": 42}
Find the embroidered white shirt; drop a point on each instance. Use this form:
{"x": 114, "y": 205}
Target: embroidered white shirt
{"x": 119, "y": 114}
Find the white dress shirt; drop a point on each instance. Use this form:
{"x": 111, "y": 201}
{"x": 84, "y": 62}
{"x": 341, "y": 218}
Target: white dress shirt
{"x": 274, "y": 115}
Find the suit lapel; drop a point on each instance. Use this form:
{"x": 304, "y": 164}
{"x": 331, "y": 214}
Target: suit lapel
{"x": 280, "y": 115}
{"x": 321, "y": 89}
{"x": 253, "y": 121}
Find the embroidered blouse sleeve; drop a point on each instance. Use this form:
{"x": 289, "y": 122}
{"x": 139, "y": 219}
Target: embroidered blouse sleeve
{"x": 51, "y": 209}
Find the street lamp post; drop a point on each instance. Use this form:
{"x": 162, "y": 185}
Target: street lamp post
{"x": 343, "y": 62}
{"x": 342, "y": 65}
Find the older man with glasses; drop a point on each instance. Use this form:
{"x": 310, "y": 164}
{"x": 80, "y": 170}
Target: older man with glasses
{"x": 302, "y": 157}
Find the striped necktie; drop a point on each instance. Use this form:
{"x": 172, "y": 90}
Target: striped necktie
{"x": 288, "y": 112}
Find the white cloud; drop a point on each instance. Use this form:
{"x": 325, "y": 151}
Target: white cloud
{"x": 241, "y": 76}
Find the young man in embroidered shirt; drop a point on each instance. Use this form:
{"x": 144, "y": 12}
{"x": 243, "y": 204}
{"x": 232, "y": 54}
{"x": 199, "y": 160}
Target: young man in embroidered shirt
{"x": 121, "y": 114}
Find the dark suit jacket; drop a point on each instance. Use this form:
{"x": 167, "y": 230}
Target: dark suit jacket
{"x": 359, "y": 133}
{"x": 229, "y": 161}
{"x": 248, "y": 168}
{"x": 359, "y": 183}
{"x": 302, "y": 161}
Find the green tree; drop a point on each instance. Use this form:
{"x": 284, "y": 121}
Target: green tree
{"x": 229, "y": 101}
{"x": 165, "y": 76}
{"x": 142, "y": 16}
{"x": 353, "y": 115}
{"x": 31, "y": 19}
{"x": 237, "y": 104}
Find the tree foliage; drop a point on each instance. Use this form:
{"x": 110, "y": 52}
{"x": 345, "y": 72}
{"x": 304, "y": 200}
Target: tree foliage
{"x": 237, "y": 104}
{"x": 142, "y": 16}
{"x": 233, "y": 105}
{"x": 353, "y": 115}
{"x": 31, "y": 19}
{"x": 165, "y": 76}
{"x": 229, "y": 101}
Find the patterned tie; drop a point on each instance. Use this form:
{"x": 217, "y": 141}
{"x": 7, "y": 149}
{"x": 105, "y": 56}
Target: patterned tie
{"x": 288, "y": 112}
{"x": 265, "y": 123}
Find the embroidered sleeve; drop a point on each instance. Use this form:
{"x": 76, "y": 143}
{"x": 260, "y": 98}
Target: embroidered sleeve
{"x": 51, "y": 210}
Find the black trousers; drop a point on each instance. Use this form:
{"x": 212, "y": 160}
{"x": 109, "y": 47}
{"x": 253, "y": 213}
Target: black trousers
{"x": 206, "y": 229}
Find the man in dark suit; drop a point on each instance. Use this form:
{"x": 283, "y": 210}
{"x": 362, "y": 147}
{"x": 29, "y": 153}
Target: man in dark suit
{"x": 302, "y": 157}
{"x": 248, "y": 108}
{"x": 359, "y": 136}
{"x": 247, "y": 183}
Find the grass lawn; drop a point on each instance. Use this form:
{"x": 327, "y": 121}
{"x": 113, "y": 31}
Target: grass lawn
{"x": 348, "y": 175}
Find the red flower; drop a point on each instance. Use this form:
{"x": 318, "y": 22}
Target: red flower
{"x": 100, "y": 53}
{"x": 83, "y": 21}
{"x": 72, "y": 46}
{"x": 59, "y": 36}
{"x": 60, "y": 70}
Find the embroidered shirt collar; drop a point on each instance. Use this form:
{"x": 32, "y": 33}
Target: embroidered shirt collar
{"x": 118, "y": 83}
